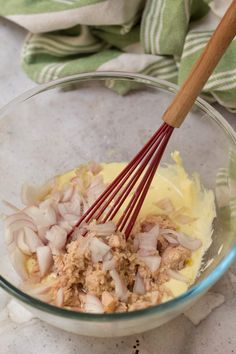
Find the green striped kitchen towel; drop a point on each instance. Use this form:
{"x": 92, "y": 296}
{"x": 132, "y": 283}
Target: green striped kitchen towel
{"x": 161, "y": 38}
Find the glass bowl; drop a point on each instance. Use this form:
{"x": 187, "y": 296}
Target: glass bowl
{"x": 55, "y": 127}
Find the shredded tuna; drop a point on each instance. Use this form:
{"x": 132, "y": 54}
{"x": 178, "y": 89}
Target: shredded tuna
{"x": 95, "y": 269}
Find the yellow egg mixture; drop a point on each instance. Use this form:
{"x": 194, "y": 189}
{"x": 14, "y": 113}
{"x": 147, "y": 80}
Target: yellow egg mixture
{"x": 187, "y": 196}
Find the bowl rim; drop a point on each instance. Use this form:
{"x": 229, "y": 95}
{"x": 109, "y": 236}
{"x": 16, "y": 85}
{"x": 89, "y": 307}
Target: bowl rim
{"x": 191, "y": 293}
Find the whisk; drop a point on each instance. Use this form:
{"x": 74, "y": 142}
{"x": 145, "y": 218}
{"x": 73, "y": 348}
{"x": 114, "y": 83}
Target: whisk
{"x": 138, "y": 174}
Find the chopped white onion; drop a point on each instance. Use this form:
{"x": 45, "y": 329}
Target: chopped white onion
{"x": 67, "y": 193}
{"x": 32, "y": 240}
{"x": 120, "y": 287}
{"x": 93, "y": 304}
{"x": 18, "y": 260}
{"x": 45, "y": 260}
{"x": 184, "y": 240}
{"x": 57, "y": 238}
{"x": 148, "y": 241}
{"x": 139, "y": 286}
{"x": 59, "y": 297}
{"x": 20, "y": 216}
{"x": 83, "y": 242}
{"x": 76, "y": 203}
{"x": 9, "y": 236}
{"x": 188, "y": 242}
{"x": 42, "y": 234}
{"x": 184, "y": 219}
{"x": 105, "y": 229}
{"x": 166, "y": 205}
{"x": 71, "y": 219}
{"x": 152, "y": 262}
{"x": 109, "y": 262}
{"x": 168, "y": 231}
{"x": 22, "y": 244}
{"x": 20, "y": 224}
{"x": 96, "y": 188}
{"x": 98, "y": 249}
{"x": 56, "y": 196}
{"x": 37, "y": 290}
{"x": 73, "y": 207}
{"x": 65, "y": 225}
{"x": 171, "y": 239}
{"x": 174, "y": 274}
{"x": 44, "y": 216}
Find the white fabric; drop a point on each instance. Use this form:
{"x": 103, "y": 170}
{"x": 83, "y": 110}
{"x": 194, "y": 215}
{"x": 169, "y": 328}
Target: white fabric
{"x": 110, "y": 12}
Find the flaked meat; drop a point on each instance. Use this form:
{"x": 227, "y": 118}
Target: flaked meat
{"x": 162, "y": 220}
{"x": 175, "y": 257}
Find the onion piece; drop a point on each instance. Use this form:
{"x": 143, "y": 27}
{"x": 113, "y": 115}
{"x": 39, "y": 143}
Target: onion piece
{"x": 166, "y": 205}
{"x": 168, "y": 231}
{"x": 174, "y": 274}
{"x": 148, "y": 241}
{"x": 18, "y": 260}
{"x": 57, "y": 238}
{"x": 120, "y": 287}
{"x": 98, "y": 249}
{"x": 59, "y": 297}
{"x": 67, "y": 193}
{"x": 171, "y": 239}
{"x": 109, "y": 262}
{"x": 76, "y": 203}
{"x": 37, "y": 290}
{"x": 152, "y": 262}
{"x": 44, "y": 216}
{"x": 184, "y": 219}
{"x": 93, "y": 304}
{"x": 188, "y": 242}
{"x": 71, "y": 219}
{"x": 20, "y": 224}
{"x": 22, "y": 244}
{"x": 17, "y": 217}
{"x": 45, "y": 260}
{"x": 72, "y": 207}
{"x": 105, "y": 229}
{"x": 184, "y": 240}
{"x": 32, "y": 240}
{"x": 9, "y": 236}
{"x": 65, "y": 225}
{"x": 83, "y": 242}
{"x": 95, "y": 189}
{"x": 42, "y": 234}
{"x": 139, "y": 286}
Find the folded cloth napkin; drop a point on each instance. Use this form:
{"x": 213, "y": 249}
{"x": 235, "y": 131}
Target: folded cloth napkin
{"x": 161, "y": 38}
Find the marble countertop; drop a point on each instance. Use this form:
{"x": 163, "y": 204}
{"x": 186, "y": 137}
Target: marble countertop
{"x": 210, "y": 333}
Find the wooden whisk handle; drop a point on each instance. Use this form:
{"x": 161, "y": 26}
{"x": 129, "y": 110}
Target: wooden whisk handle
{"x": 202, "y": 69}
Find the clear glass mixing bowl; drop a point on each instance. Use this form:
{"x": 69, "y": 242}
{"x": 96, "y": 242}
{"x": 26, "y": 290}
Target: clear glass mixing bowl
{"x": 55, "y": 127}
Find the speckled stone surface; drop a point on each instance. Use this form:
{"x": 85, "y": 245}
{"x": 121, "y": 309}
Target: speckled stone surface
{"x": 214, "y": 335}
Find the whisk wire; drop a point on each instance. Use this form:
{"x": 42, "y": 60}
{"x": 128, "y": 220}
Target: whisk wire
{"x": 125, "y": 182}
{"x": 145, "y": 184}
{"x": 129, "y": 186}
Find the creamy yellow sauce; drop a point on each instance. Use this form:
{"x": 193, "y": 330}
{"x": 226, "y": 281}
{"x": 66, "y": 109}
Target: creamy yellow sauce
{"x": 186, "y": 194}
